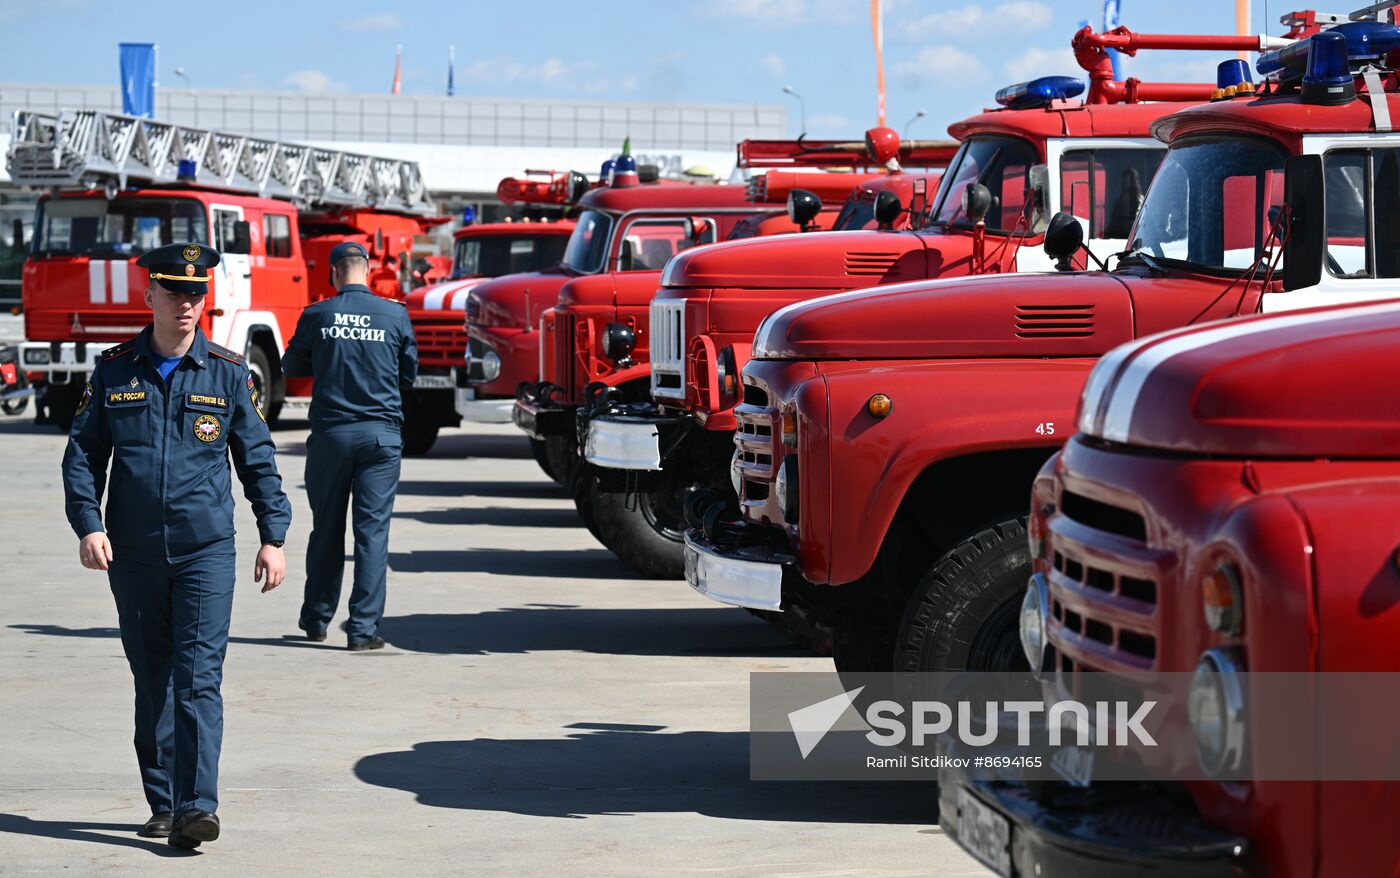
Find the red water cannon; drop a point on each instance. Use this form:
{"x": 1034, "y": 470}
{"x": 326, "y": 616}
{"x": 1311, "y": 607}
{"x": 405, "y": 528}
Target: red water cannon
{"x": 1091, "y": 51}
{"x": 559, "y": 187}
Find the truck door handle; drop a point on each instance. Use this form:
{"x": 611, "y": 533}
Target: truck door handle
{"x": 296, "y": 278}
{"x": 247, "y": 274}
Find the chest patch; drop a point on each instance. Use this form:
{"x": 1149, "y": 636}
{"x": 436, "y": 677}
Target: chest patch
{"x": 207, "y": 428}
{"x": 118, "y": 397}
{"x": 219, "y": 401}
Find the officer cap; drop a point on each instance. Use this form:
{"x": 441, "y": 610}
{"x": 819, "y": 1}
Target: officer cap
{"x": 181, "y": 268}
{"x": 347, "y": 248}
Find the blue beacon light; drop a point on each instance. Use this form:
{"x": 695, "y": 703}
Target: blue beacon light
{"x": 1039, "y": 92}
{"x": 1232, "y": 80}
{"x": 1329, "y": 79}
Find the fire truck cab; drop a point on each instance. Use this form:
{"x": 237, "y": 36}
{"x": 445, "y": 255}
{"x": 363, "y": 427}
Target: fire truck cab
{"x": 82, "y": 292}
{"x": 887, "y": 435}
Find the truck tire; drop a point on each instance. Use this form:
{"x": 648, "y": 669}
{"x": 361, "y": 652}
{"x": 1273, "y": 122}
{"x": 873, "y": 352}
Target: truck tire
{"x": 541, "y": 453}
{"x": 964, "y": 613}
{"x": 644, "y": 530}
{"x": 261, "y": 369}
{"x": 580, "y": 485}
{"x": 858, "y": 652}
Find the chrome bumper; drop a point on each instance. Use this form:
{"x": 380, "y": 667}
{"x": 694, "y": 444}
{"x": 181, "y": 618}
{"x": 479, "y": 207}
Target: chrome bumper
{"x": 482, "y": 411}
{"x": 65, "y": 357}
{"x": 724, "y": 577}
{"x": 623, "y": 443}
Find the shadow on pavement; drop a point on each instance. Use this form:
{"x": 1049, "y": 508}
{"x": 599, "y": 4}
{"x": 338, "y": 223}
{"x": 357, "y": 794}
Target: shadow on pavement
{"x": 60, "y": 631}
{"x": 70, "y": 830}
{"x": 554, "y": 563}
{"x": 466, "y": 445}
{"x": 704, "y": 631}
{"x": 23, "y": 425}
{"x": 497, "y": 515}
{"x": 541, "y": 490}
{"x": 607, "y": 769}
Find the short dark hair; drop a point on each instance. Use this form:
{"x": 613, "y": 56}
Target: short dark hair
{"x": 346, "y": 263}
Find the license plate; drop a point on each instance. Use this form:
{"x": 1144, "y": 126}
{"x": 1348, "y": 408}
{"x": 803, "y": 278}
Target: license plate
{"x": 1074, "y": 764}
{"x": 433, "y": 382}
{"x": 984, "y": 833}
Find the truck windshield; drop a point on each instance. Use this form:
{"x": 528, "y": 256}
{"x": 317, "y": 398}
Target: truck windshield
{"x": 588, "y": 245}
{"x": 1002, "y": 164}
{"x": 1211, "y": 203}
{"x": 497, "y": 255}
{"x": 857, "y": 213}
{"x": 122, "y": 227}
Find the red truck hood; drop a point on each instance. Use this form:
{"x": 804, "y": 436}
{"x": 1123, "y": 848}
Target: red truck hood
{"x": 1313, "y": 383}
{"x": 503, "y": 299}
{"x": 1012, "y": 315}
{"x": 617, "y": 289}
{"x": 815, "y": 260}
{"x": 449, "y": 295}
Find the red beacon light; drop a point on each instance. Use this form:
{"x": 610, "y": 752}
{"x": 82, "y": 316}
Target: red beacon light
{"x": 883, "y": 146}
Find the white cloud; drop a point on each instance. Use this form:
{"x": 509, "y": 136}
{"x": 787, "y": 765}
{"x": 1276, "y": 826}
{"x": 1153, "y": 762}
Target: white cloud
{"x": 1031, "y": 63}
{"x": 772, "y": 64}
{"x": 380, "y": 21}
{"x": 943, "y": 63}
{"x": 780, "y": 13}
{"x": 976, "y": 20}
{"x": 313, "y": 82}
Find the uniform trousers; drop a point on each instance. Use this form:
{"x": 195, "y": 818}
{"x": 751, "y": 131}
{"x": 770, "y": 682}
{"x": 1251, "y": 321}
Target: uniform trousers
{"x": 174, "y": 619}
{"x": 359, "y": 463}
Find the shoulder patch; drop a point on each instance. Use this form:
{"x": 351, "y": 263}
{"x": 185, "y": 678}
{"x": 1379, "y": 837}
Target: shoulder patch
{"x": 224, "y": 353}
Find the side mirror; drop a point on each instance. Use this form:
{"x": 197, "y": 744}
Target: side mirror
{"x": 242, "y": 239}
{"x": 1038, "y": 182}
{"x": 1305, "y": 236}
{"x": 976, "y": 202}
{"x": 887, "y": 208}
{"x": 803, "y": 207}
{"x": 918, "y": 203}
{"x": 17, "y": 241}
{"x": 1063, "y": 238}
{"x": 624, "y": 256}
{"x": 378, "y": 240}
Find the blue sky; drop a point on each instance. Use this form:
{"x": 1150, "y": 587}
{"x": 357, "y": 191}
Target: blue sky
{"x": 946, "y": 58}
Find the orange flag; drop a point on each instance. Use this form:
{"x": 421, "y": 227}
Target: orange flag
{"x": 398, "y": 71}
{"x": 878, "y": 26}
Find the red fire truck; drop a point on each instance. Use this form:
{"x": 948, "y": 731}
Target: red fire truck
{"x": 1093, "y": 160}
{"x": 273, "y": 210}
{"x": 1224, "y": 510}
{"x": 887, "y": 435}
{"x": 439, "y": 311}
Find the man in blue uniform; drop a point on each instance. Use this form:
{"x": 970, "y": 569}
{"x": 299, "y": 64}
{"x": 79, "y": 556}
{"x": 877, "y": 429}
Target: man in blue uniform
{"x": 166, "y": 410}
{"x": 361, "y": 351}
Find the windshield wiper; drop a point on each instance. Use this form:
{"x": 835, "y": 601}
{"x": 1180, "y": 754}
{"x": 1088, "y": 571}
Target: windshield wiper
{"x": 1142, "y": 258}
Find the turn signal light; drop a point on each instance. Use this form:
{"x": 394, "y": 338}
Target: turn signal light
{"x": 1222, "y": 600}
{"x": 880, "y": 406}
{"x": 789, "y": 429}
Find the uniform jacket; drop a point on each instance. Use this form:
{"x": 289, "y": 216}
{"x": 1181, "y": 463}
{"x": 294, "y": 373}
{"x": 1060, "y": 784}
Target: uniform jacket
{"x": 168, "y": 445}
{"x": 361, "y": 351}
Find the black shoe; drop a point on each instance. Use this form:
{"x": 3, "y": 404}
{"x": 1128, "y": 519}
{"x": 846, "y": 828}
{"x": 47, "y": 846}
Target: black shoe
{"x": 158, "y": 826}
{"x": 315, "y": 635}
{"x": 375, "y": 642}
{"x": 192, "y": 828}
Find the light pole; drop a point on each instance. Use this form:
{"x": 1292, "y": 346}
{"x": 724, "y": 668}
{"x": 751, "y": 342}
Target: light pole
{"x": 180, "y": 72}
{"x": 916, "y": 117}
{"x": 801, "y": 104}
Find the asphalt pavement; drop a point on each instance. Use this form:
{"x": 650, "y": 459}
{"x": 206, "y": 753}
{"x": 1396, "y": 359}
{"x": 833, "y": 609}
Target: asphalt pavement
{"x": 539, "y": 710}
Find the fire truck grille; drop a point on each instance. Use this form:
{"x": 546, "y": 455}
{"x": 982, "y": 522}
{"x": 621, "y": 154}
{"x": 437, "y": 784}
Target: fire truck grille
{"x": 442, "y": 340}
{"x": 757, "y": 190}
{"x": 757, "y": 445}
{"x": 563, "y": 350}
{"x": 870, "y": 264}
{"x": 668, "y": 349}
{"x": 1100, "y": 619}
{"x": 1054, "y": 321}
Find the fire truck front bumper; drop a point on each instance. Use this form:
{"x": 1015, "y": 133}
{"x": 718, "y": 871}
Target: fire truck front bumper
{"x": 738, "y": 572}
{"x": 1092, "y": 832}
{"x": 631, "y": 441}
{"x": 539, "y": 415}
{"x": 59, "y": 361}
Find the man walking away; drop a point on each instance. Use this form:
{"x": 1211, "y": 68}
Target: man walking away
{"x": 361, "y": 351}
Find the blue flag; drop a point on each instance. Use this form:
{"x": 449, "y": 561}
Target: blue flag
{"x": 138, "y": 79}
{"x": 1110, "y": 21}
{"x": 451, "y": 56}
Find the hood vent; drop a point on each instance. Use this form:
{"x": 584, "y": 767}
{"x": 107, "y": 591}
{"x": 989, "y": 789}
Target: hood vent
{"x": 1054, "y": 321}
{"x": 871, "y": 264}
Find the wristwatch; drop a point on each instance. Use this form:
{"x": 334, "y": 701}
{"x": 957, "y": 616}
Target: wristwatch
{"x": 276, "y": 544}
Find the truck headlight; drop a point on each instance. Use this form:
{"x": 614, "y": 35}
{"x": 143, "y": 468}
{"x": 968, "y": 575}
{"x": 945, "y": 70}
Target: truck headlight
{"x": 727, "y": 372}
{"x": 1216, "y": 708}
{"x": 786, "y": 486}
{"x": 1034, "y": 616}
{"x": 619, "y": 340}
{"x": 490, "y": 365}
{"x": 36, "y": 357}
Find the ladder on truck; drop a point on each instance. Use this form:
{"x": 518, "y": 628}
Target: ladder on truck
{"x": 93, "y": 148}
